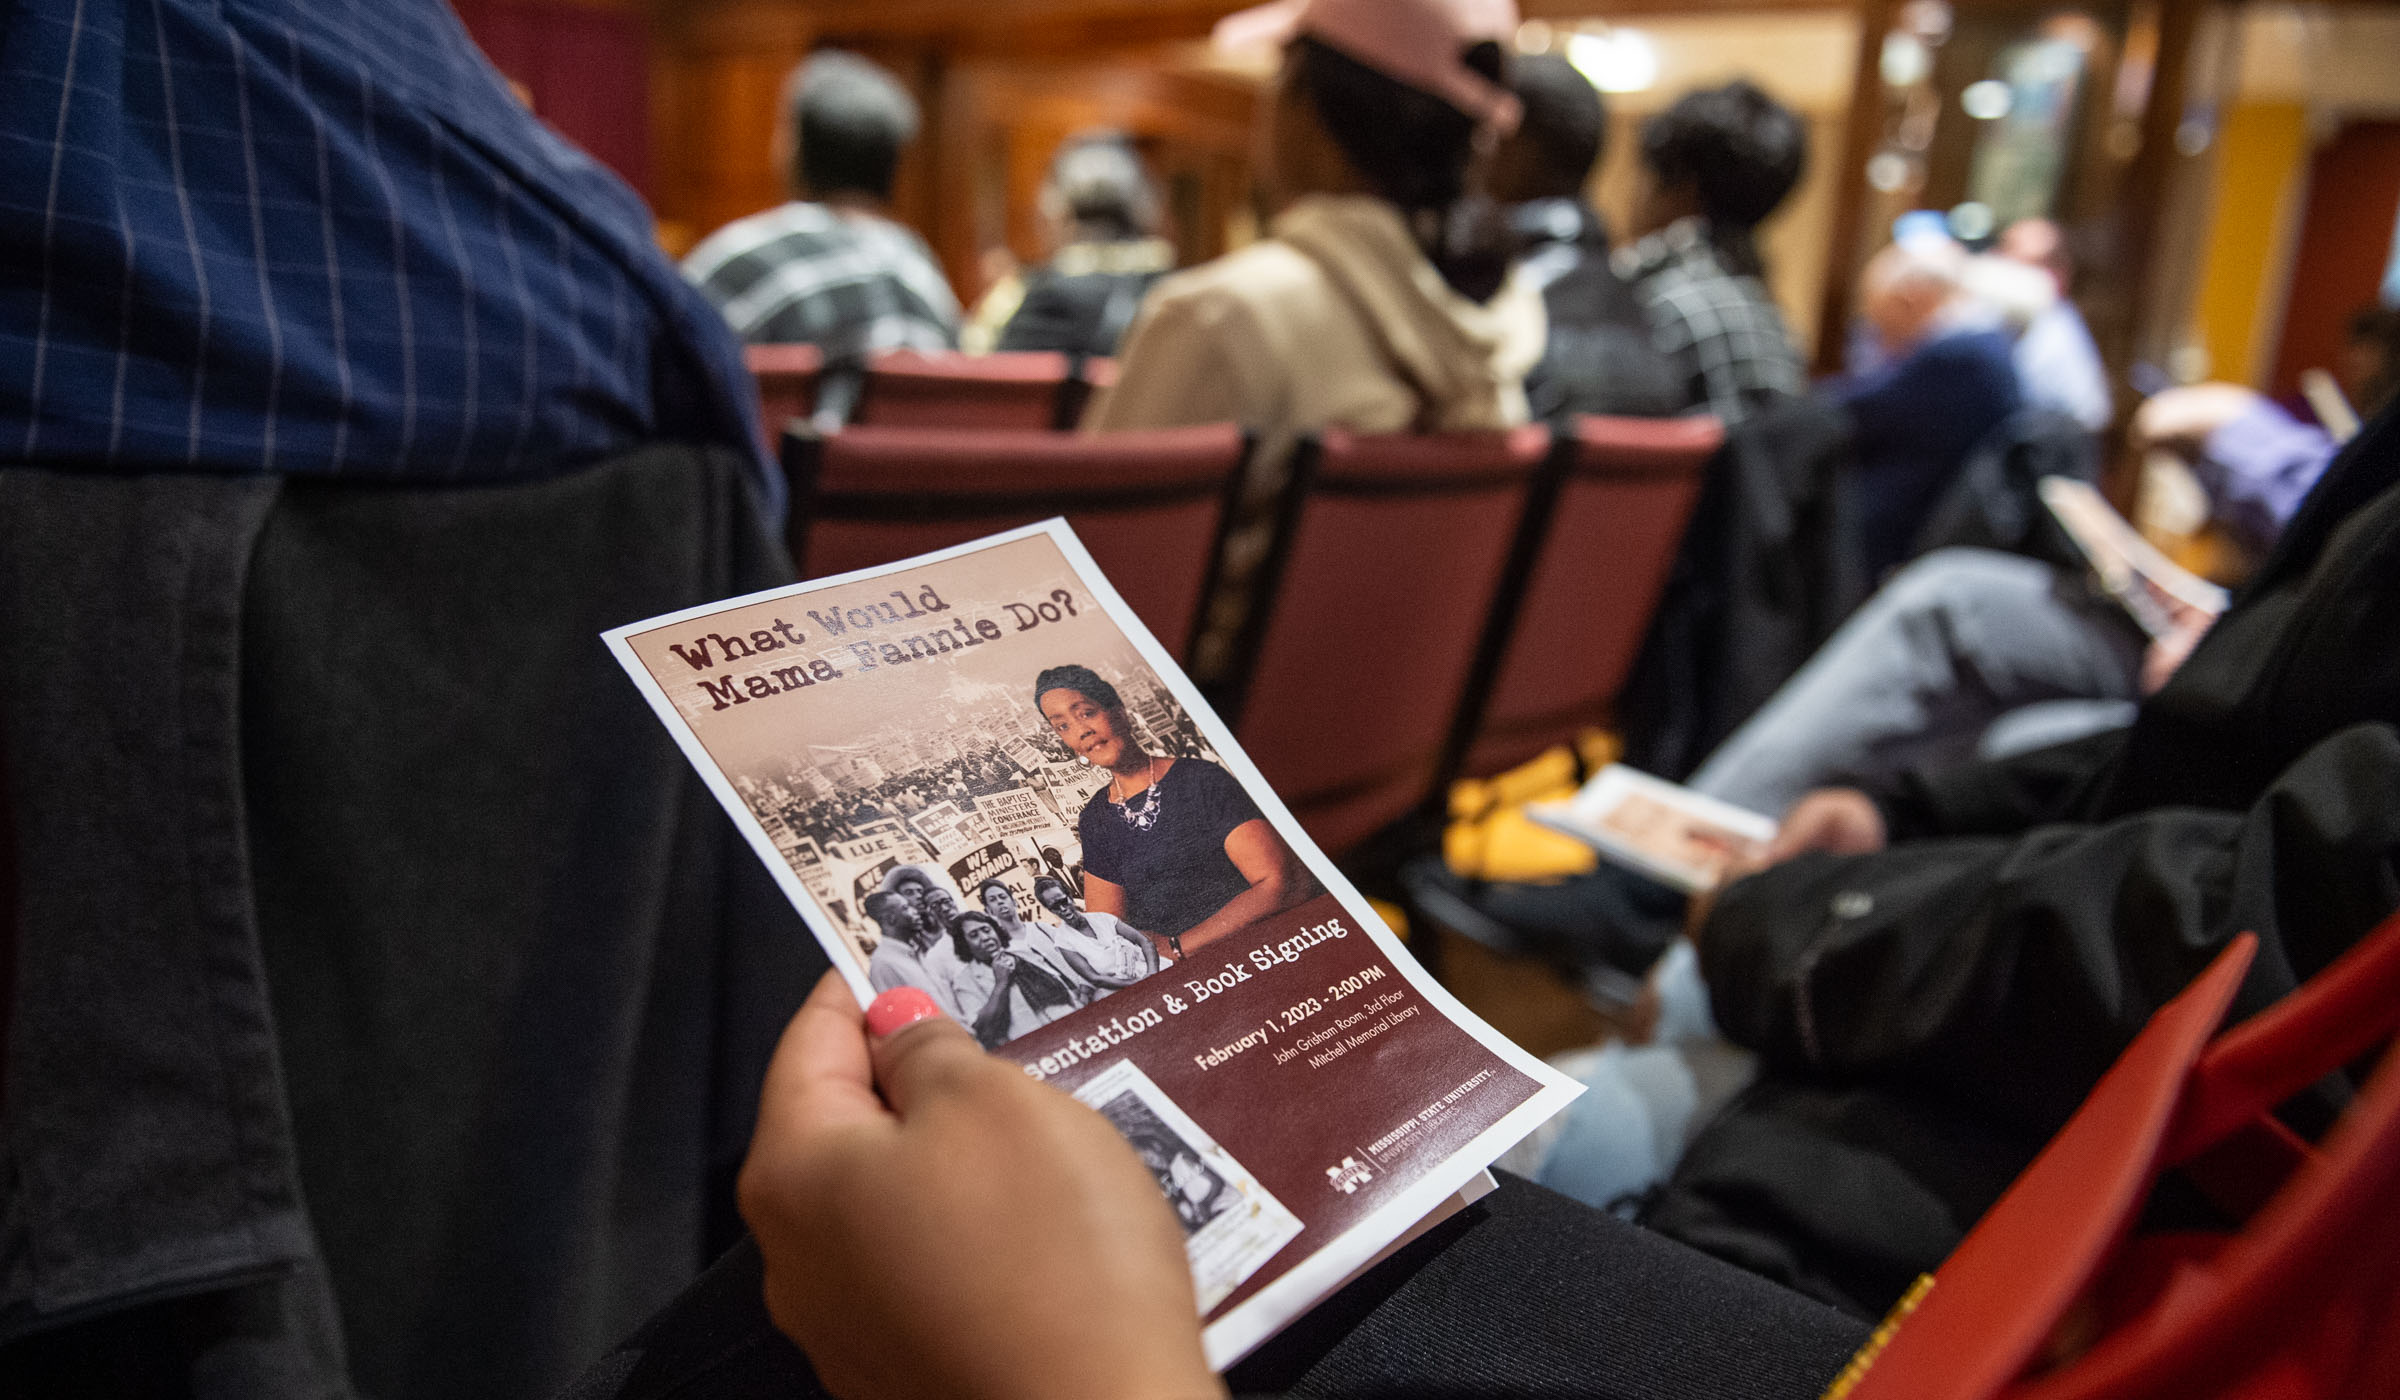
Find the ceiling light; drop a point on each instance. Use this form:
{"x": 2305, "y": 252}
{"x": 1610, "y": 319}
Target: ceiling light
{"x": 1620, "y": 60}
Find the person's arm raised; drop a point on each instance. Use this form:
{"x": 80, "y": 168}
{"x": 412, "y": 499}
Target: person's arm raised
{"x": 969, "y": 1233}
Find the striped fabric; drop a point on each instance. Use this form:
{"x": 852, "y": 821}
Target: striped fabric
{"x": 320, "y": 237}
{"x": 848, "y": 283}
{"x": 1719, "y": 329}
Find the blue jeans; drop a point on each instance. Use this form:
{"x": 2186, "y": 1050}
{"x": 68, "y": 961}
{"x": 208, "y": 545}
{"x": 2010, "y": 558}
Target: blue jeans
{"x": 1954, "y": 642}
{"x": 1964, "y": 651}
{"x": 1641, "y": 1103}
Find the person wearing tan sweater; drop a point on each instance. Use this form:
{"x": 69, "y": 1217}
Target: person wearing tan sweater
{"x": 1383, "y": 300}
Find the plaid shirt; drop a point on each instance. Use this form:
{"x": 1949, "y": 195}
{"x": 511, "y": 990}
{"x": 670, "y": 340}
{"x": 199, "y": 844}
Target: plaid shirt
{"x": 319, "y": 237}
{"x": 1719, "y": 328}
{"x": 849, "y": 283}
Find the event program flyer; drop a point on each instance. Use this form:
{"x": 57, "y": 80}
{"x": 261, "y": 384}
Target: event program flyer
{"x": 976, "y": 772}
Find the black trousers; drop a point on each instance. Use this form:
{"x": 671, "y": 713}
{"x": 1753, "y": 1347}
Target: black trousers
{"x": 1526, "y": 1293}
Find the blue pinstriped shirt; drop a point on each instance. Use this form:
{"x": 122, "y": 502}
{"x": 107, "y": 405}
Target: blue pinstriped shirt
{"x": 320, "y": 237}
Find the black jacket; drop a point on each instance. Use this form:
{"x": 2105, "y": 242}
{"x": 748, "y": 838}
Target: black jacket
{"x": 1926, "y": 1017}
{"x": 1599, "y": 358}
{"x": 1080, "y": 310}
{"x": 391, "y": 999}
{"x": 1766, "y": 571}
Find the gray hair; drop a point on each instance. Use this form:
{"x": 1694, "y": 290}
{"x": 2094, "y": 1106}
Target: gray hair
{"x": 1098, "y": 178}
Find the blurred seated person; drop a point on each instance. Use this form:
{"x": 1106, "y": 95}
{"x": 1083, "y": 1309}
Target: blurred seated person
{"x": 1103, "y": 211}
{"x": 1714, "y": 166}
{"x": 830, "y": 268}
{"x": 1381, "y": 302}
{"x": 393, "y": 334}
{"x": 2255, "y": 460}
{"x": 1599, "y": 358}
{"x": 251, "y": 255}
{"x": 2058, "y": 364}
{"x": 1947, "y": 379}
{"x": 1962, "y": 654}
{"x": 1923, "y": 971}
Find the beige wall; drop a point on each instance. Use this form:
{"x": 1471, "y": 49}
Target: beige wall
{"x": 2343, "y": 59}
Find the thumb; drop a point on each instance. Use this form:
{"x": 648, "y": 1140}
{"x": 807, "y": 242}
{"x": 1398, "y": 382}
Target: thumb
{"x": 919, "y": 1054}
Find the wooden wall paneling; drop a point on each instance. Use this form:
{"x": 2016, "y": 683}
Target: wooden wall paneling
{"x": 2155, "y": 251}
{"x": 1848, "y": 243}
{"x": 717, "y": 87}
{"x": 970, "y": 212}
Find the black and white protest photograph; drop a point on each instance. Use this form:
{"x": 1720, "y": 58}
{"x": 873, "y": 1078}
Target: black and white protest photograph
{"x": 1197, "y": 1194}
{"x": 1231, "y": 1225}
{"x": 981, "y": 783}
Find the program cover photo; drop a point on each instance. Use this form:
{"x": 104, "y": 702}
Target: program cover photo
{"x": 1664, "y": 830}
{"x": 976, "y": 773}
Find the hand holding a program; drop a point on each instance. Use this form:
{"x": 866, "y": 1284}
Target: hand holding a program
{"x": 2166, "y": 653}
{"x": 1837, "y": 820}
{"x": 935, "y": 1223}
{"x": 1840, "y": 821}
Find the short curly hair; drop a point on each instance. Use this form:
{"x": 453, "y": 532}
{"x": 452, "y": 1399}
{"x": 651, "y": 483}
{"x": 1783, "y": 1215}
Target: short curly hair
{"x": 958, "y": 932}
{"x": 1740, "y": 149}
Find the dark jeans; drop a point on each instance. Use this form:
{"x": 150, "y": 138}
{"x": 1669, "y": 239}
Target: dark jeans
{"x": 1526, "y": 1293}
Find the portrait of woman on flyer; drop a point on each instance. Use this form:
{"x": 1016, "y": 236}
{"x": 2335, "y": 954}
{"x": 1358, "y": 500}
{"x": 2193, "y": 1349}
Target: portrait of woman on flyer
{"x": 1172, "y": 846}
{"x": 1008, "y": 986}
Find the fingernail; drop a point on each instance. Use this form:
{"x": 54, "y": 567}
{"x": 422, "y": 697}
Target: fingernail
{"x": 897, "y": 1009}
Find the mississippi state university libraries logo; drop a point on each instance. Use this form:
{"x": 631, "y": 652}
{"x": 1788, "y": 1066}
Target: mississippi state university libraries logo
{"x": 1348, "y": 1177}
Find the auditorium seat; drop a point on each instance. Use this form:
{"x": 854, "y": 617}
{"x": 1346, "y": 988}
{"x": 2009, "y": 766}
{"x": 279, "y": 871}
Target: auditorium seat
{"x": 1586, "y": 572}
{"x": 1150, "y": 506}
{"x": 945, "y": 389}
{"x": 1369, "y": 611}
{"x": 788, "y": 376}
{"x": 2297, "y": 1299}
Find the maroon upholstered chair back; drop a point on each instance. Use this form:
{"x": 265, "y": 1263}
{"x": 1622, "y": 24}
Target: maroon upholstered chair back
{"x": 787, "y": 377}
{"x": 921, "y": 389}
{"x": 1150, "y": 506}
{"x": 1368, "y": 618}
{"x": 1596, "y": 558}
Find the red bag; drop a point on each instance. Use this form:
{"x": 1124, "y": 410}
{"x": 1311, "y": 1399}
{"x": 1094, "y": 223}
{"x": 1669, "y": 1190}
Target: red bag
{"x": 2052, "y": 1297}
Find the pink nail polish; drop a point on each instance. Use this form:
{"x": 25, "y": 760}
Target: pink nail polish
{"x": 899, "y": 1008}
